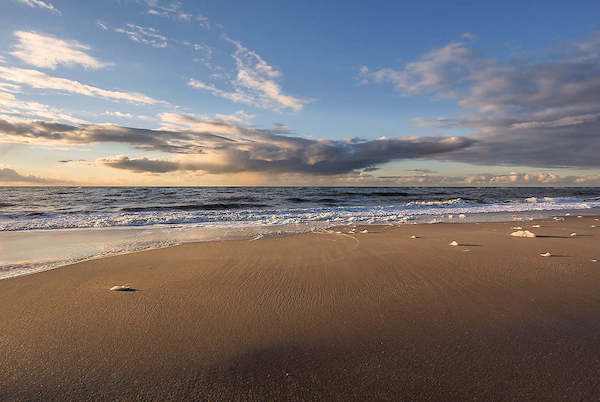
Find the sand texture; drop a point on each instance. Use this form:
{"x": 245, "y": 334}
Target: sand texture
{"x": 318, "y": 316}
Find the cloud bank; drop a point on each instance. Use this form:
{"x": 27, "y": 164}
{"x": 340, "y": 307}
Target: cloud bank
{"x": 218, "y": 146}
{"x": 539, "y": 112}
{"x": 11, "y": 176}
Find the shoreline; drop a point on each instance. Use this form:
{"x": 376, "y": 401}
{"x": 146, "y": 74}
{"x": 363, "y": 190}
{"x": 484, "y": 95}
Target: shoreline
{"x": 317, "y": 316}
{"x": 93, "y": 243}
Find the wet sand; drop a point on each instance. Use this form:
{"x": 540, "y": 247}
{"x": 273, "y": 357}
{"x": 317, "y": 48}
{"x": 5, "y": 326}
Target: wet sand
{"x": 317, "y": 316}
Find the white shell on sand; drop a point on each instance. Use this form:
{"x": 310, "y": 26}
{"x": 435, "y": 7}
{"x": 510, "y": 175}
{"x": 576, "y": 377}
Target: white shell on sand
{"x": 535, "y": 226}
{"x": 579, "y": 216}
{"x": 558, "y": 218}
{"x": 523, "y": 233}
{"x": 121, "y": 288}
{"x": 546, "y": 255}
{"x": 454, "y": 243}
{"x": 573, "y": 234}
{"x": 516, "y": 228}
{"x": 364, "y": 231}
{"x": 415, "y": 237}
{"x": 568, "y": 214}
{"x": 594, "y": 260}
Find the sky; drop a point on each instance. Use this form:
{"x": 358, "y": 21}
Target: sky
{"x": 335, "y": 93}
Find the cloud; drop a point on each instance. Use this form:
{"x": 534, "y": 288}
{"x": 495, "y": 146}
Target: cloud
{"x": 40, "y": 4}
{"x": 40, "y": 80}
{"x": 204, "y": 49}
{"x": 101, "y": 25}
{"x": 255, "y": 83}
{"x": 172, "y": 9}
{"x": 140, "y": 165}
{"x": 217, "y": 146}
{"x": 539, "y": 112}
{"x": 424, "y": 171}
{"x": 145, "y": 35}
{"x": 436, "y": 70}
{"x": 14, "y": 109}
{"x": 47, "y": 51}
{"x": 11, "y": 176}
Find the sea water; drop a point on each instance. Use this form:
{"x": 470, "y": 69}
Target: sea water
{"x": 46, "y": 227}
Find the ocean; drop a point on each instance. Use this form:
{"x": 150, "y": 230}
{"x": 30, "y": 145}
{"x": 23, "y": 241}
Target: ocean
{"x": 46, "y": 227}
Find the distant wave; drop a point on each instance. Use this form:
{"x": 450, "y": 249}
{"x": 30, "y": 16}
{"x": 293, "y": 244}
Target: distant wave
{"x": 193, "y": 207}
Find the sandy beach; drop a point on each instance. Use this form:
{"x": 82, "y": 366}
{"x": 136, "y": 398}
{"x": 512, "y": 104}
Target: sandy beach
{"x": 317, "y": 316}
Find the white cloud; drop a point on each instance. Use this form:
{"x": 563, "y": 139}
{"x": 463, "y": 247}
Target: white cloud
{"x": 203, "y": 22}
{"x": 239, "y": 117}
{"x": 173, "y": 9}
{"x": 146, "y": 35}
{"x": 255, "y": 83}
{"x": 436, "y": 70}
{"x": 40, "y": 80}
{"x": 101, "y": 25}
{"x": 40, "y": 4}
{"x": 47, "y": 51}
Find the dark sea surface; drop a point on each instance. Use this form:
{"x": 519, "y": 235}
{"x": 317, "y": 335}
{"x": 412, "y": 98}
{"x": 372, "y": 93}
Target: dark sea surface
{"x": 44, "y": 227}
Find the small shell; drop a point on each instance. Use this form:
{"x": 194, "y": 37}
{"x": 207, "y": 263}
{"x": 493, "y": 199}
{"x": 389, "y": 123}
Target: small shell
{"x": 546, "y": 255}
{"x": 454, "y": 243}
{"x": 122, "y": 288}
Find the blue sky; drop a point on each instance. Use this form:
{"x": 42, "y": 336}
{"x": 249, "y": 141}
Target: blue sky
{"x": 311, "y": 92}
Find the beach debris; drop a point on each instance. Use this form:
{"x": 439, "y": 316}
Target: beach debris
{"x": 462, "y": 216}
{"x": 364, "y": 231}
{"x": 579, "y": 216}
{"x": 415, "y": 237}
{"x": 593, "y": 226}
{"x": 529, "y": 219}
{"x": 594, "y": 260}
{"x": 596, "y": 219}
{"x": 122, "y": 288}
{"x": 536, "y": 226}
{"x": 516, "y": 228}
{"x": 558, "y": 218}
{"x": 338, "y": 232}
{"x": 522, "y": 233}
{"x": 568, "y": 214}
{"x": 546, "y": 254}
{"x": 453, "y": 243}
{"x": 573, "y": 234}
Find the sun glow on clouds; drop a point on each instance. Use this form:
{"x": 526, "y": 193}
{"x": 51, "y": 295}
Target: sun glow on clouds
{"x": 47, "y": 52}
{"x": 40, "y": 80}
